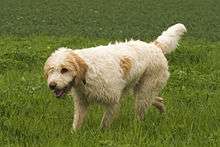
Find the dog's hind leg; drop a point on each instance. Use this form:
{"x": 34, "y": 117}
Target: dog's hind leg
{"x": 147, "y": 90}
{"x": 109, "y": 114}
{"x": 159, "y": 104}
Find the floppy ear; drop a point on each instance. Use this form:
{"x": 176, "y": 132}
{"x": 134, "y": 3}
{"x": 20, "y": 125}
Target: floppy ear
{"x": 46, "y": 68}
{"x": 80, "y": 67}
{"x": 45, "y": 73}
{"x": 81, "y": 73}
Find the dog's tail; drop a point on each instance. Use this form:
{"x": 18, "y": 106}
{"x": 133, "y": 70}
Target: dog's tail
{"x": 168, "y": 41}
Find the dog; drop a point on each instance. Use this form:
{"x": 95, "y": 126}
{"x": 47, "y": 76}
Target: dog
{"x": 103, "y": 74}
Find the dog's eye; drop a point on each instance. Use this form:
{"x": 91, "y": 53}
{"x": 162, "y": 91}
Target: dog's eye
{"x": 63, "y": 70}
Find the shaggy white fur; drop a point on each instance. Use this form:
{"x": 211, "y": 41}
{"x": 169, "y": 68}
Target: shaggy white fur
{"x": 102, "y": 74}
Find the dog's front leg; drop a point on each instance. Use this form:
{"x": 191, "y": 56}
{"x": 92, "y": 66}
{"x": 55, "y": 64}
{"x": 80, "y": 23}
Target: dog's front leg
{"x": 110, "y": 112}
{"x": 79, "y": 113}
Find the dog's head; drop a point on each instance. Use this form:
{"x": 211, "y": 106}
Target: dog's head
{"x": 63, "y": 70}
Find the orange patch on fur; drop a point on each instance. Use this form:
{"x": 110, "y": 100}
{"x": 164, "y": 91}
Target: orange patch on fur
{"x": 125, "y": 64}
{"x": 78, "y": 64}
{"x": 47, "y": 68}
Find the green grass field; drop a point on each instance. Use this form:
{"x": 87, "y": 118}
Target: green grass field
{"x": 30, "y": 30}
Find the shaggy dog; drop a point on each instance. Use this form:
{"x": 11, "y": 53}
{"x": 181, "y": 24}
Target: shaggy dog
{"x": 102, "y": 74}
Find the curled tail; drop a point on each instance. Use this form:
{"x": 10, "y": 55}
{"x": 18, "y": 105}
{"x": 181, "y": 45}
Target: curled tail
{"x": 168, "y": 41}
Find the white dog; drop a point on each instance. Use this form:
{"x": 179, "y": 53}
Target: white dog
{"x": 102, "y": 74}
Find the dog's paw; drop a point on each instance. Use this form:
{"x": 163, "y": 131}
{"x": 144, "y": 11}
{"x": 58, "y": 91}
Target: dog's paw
{"x": 159, "y": 104}
{"x": 159, "y": 99}
{"x": 73, "y": 129}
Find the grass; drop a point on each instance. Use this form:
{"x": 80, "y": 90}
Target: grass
{"x": 115, "y": 19}
{"x": 30, "y": 115}
{"x": 31, "y": 30}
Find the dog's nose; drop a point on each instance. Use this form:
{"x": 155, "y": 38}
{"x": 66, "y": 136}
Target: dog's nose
{"x": 52, "y": 85}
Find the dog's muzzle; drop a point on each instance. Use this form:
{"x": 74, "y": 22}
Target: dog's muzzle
{"x": 60, "y": 92}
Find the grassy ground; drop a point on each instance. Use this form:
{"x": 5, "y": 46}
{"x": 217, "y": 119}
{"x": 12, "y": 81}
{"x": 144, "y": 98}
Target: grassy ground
{"x": 109, "y": 19}
{"x": 31, "y": 30}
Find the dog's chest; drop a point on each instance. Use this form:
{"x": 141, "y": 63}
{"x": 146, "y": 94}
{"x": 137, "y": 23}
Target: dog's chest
{"x": 98, "y": 92}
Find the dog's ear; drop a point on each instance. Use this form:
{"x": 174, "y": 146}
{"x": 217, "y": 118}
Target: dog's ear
{"x": 46, "y": 68}
{"x": 45, "y": 74}
{"x": 80, "y": 67}
{"x": 81, "y": 73}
